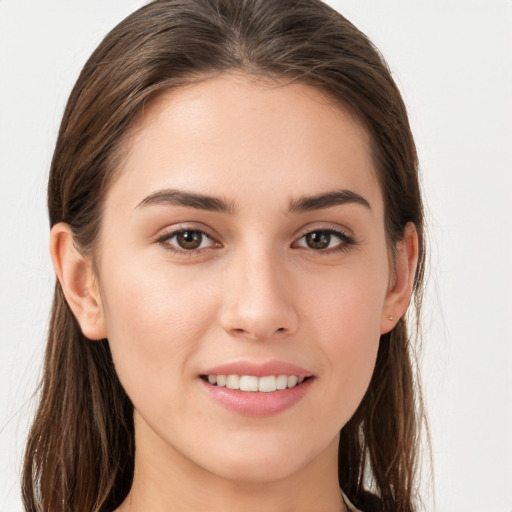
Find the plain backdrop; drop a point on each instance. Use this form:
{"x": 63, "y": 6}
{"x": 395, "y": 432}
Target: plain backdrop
{"x": 453, "y": 61}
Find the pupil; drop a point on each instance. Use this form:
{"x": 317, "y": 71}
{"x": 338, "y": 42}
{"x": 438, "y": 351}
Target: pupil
{"x": 189, "y": 239}
{"x": 318, "y": 239}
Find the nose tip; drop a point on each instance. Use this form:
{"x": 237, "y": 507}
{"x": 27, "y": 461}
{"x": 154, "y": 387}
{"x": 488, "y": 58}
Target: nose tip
{"x": 259, "y": 305}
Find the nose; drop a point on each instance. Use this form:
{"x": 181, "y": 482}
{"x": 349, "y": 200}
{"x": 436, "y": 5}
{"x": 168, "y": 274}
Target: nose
{"x": 258, "y": 299}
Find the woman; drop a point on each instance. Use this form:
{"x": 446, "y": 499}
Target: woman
{"x": 237, "y": 231}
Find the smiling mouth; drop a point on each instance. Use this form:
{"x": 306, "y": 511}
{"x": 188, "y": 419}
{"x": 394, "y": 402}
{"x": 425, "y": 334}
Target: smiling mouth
{"x": 250, "y": 383}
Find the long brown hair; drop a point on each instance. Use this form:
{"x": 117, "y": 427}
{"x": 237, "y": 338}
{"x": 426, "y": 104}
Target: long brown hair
{"x": 80, "y": 452}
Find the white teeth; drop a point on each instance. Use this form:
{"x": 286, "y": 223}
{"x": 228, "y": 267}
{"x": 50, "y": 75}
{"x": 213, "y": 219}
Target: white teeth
{"x": 282, "y": 382}
{"x": 248, "y": 383}
{"x": 292, "y": 381}
{"x": 266, "y": 384}
{"x": 233, "y": 382}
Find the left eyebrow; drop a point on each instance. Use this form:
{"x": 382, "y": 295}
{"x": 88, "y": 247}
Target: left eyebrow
{"x": 327, "y": 200}
{"x": 175, "y": 197}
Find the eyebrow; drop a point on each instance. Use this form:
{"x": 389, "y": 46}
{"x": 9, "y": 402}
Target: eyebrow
{"x": 174, "y": 197}
{"x": 328, "y": 200}
{"x": 199, "y": 201}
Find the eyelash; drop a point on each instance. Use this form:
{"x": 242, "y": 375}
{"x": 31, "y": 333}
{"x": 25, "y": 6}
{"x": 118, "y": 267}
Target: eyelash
{"x": 165, "y": 239}
{"x": 345, "y": 244}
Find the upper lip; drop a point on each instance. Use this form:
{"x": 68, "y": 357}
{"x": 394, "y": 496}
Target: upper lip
{"x": 258, "y": 369}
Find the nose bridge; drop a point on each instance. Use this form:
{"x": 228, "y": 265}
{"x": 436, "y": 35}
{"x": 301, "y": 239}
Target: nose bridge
{"x": 258, "y": 304}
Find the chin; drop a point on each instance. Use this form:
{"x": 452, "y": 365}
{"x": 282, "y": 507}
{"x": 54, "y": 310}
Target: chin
{"x": 256, "y": 471}
{"x": 263, "y": 460}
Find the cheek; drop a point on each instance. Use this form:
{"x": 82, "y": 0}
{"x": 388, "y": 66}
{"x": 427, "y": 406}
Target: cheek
{"x": 346, "y": 319}
{"x": 154, "y": 323}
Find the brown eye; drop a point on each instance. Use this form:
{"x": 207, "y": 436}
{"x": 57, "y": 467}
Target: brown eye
{"x": 189, "y": 239}
{"x": 328, "y": 240}
{"x": 318, "y": 239}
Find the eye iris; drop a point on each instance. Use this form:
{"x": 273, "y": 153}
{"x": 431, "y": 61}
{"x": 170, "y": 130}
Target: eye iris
{"x": 189, "y": 239}
{"x": 318, "y": 239}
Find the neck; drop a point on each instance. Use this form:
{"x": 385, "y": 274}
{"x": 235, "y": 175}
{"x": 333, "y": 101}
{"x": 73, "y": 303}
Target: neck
{"x": 166, "y": 481}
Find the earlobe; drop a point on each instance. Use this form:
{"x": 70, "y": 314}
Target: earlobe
{"x": 400, "y": 290}
{"x": 77, "y": 279}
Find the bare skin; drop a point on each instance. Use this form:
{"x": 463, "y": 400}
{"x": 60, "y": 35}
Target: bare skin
{"x": 246, "y": 226}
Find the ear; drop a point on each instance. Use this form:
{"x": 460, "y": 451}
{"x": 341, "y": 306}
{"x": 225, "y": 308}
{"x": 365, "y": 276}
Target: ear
{"x": 399, "y": 293}
{"x": 78, "y": 281}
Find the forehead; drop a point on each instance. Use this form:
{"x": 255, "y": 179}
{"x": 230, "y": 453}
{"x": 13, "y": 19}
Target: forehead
{"x": 231, "y": 134}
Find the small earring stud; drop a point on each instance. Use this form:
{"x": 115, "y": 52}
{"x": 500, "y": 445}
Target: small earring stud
{"x": 390, "y": 318}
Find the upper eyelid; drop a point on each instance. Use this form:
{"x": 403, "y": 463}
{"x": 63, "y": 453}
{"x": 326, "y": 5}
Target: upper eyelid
{"x": 170, "y": 231}
{"x": 339, "y": 230}
{"x": 172, "y": 234}
{"x": 333, "y": 231}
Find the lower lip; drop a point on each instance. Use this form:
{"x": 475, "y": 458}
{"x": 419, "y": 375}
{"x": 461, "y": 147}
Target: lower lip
{"x": 257, "y": 404}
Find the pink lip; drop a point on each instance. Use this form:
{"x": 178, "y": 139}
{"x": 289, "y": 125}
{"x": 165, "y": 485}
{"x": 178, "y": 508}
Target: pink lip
{"x": 257, "y": 404}
{"x": 258, "y": 370}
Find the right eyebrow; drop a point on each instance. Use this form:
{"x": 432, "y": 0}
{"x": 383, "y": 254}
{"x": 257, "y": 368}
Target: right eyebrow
{"x": 176, "y": 197}
{"x": 328, "y": 200}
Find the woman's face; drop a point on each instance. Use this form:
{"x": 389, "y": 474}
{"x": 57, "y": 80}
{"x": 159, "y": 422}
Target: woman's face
{"x": 244, "y": 237}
